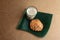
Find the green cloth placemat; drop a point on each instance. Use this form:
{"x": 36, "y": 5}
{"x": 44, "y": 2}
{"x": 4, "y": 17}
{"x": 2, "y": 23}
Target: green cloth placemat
{"x": 45, "y": 19}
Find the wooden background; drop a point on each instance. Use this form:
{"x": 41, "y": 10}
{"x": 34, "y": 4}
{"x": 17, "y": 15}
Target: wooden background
{"x": 11, "y": 12}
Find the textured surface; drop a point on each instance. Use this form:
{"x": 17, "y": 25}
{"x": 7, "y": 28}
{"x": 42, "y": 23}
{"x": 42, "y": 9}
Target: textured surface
{"x": 11, "y": 12}
{"x": 36, "y": 25}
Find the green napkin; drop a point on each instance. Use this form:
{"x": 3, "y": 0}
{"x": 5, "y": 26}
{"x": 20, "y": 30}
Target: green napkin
{"x": 45, "y": 19}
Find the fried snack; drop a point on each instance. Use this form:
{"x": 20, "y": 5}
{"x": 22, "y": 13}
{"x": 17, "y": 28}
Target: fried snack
{"x": 36, "y": 25}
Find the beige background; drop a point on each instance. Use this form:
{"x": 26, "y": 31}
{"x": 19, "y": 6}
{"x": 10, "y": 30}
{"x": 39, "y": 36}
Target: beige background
{"x": 11, "y": 12}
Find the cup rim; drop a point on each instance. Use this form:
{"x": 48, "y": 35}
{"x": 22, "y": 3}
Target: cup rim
{"x": 32, "y": 7}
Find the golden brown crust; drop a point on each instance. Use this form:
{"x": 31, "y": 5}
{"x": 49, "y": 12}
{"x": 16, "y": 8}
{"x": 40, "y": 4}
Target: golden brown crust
{"x": 36, "y": 25}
